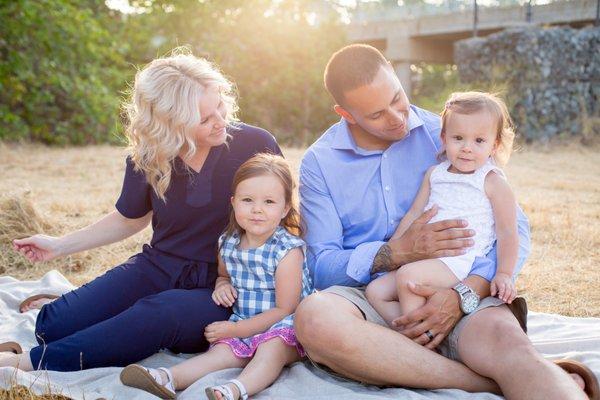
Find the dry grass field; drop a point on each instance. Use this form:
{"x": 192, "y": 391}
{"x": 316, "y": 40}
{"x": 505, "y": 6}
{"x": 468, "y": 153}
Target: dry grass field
{"x": 57, "y": 190}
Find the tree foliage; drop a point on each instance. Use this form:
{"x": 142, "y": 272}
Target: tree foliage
{"x": 60, "y": 71}
{"x": 66, "y": 63}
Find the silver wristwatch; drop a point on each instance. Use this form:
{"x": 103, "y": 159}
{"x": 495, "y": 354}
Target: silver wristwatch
{"x": 469, "y": 300}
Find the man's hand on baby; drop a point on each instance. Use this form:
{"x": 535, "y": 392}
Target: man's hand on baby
{"x": 423, "y": 240}
{"x": 438, "y": 316}
{"x": 224, "y": 295}
{"x": 220, "y": 330}
{"x": 503, "y": 286}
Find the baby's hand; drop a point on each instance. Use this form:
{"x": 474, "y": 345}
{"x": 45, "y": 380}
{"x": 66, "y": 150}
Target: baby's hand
{"x": 219, "y": 330}
{"x": 503, "y": 286}
{"x": 224, "y": 295}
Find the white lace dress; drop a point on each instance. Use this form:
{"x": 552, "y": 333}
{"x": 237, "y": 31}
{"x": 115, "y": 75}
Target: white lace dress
{"x": 463, "y": 196}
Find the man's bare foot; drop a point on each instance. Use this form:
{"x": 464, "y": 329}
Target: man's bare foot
{"x": 20, "y": 361}
{"x": 583, "y": 376}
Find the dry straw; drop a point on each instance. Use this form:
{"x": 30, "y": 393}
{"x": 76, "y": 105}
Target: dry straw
{"x": 20, "y": 392}
{"x": 18, "y": 219}
{"x": 16, "y": 391}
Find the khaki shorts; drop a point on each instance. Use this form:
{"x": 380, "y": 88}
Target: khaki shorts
{"x": 449, "y": 347}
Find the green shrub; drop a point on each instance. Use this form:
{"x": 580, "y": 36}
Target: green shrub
{"x": 65, "y": 63}
{"x": 60, "y": 72}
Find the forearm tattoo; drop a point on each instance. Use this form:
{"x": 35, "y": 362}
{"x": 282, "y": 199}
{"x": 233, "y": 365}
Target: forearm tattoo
{"x": 383, "y": 260}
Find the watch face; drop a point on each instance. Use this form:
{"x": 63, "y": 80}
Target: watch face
{"x": 470, "y": 303}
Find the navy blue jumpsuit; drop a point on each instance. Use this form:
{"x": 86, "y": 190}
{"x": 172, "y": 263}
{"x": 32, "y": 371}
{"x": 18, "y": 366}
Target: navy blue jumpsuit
{"x": 161, "y": 297}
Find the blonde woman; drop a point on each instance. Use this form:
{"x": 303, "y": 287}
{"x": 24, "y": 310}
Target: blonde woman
{"x": 184, "y": 150}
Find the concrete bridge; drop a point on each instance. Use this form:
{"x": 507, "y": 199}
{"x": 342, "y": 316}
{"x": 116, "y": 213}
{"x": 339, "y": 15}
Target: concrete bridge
{"x": 430, "y": 38}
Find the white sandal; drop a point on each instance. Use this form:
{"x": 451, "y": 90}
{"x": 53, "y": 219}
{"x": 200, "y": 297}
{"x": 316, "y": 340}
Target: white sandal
{"x": 149, "y": 380}
{"x": 226, "y": 391}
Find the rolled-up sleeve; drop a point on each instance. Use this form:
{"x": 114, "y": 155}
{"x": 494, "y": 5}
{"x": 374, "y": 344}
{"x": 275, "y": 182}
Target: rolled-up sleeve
{"x": 134, "y": 201}
{"x": 328, "y": 261}
{"x": 486, "y": 266}
{"x": 361, "y": 261}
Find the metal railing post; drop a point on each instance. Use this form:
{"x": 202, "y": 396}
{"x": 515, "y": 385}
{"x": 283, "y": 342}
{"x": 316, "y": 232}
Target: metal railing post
{"x": 528, "y": 14}
{"x": 476, "y": 17}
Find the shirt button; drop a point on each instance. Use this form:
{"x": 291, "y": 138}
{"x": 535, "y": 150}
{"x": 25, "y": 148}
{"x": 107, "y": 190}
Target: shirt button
{"x": 391, "y": 222}
{"x": 384, "y": 155}
{"x": 387, "y": 188}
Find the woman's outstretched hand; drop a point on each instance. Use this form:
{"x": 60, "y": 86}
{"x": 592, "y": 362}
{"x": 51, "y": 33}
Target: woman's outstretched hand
{"x": 38, "y": 247}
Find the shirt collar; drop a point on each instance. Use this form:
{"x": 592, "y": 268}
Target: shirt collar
{"x": 414, "y": 121}
{"x": 181, "y": 168}
{"x": 279, "y": 232}
{"x": 343, "y": 140}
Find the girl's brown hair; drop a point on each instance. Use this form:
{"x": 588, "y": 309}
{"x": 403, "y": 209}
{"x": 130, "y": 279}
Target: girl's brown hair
{"x": 269, "y": 164}
{"x": 474, "y": 102}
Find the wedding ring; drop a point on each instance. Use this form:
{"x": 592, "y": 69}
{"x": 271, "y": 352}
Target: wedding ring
{"x": 429, "y": 334}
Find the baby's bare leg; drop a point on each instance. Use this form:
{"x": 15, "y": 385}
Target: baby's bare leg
{"x": 424, "y": 272}
{"x": 382, "y": 294}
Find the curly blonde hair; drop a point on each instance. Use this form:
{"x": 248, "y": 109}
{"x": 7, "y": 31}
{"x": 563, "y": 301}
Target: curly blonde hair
{"x": 474, "y": 102}
{"x": 163, "y": 108}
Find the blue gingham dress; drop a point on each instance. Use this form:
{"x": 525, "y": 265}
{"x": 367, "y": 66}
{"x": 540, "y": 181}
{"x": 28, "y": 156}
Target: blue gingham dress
{"x": 252, "y": 273}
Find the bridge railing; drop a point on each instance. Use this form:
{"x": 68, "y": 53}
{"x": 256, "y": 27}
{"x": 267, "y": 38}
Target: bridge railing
{"x": 389, "y": 10}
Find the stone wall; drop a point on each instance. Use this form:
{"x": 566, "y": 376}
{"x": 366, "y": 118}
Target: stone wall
{"x": 551, "y": 77}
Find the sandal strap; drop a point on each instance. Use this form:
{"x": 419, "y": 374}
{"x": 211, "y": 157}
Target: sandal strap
{"x": 171, "y": 383}
{"x": 224, "y": 390}
{"x": 241, "y": 388}
{"x": 155, "y": 374}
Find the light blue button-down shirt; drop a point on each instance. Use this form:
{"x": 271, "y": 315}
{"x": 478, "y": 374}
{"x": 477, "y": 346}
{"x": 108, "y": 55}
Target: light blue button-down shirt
{"x": 352, "y": 200}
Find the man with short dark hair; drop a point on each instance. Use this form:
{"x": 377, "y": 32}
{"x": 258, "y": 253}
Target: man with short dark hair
{"x": 356, "y": 183}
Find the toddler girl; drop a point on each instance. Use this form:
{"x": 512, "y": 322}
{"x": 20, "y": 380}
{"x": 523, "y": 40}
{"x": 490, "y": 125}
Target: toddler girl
{"x": 477, "y": 136}
{"x": 263, "y": 275}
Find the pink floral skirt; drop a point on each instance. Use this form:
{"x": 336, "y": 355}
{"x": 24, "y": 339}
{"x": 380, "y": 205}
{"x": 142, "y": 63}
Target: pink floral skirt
{"x": 245, "y": 348}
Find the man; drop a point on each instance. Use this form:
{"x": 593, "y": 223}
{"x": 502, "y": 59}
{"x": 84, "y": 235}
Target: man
{"x": 356, "y": 183}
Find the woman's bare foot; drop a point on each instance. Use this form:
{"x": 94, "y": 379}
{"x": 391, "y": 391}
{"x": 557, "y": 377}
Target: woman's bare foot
{"x": 578, "y": 380}
{"x": 36, "y": 305}
{"x": 36, "y": 302}
{"x": 20, "y": 361}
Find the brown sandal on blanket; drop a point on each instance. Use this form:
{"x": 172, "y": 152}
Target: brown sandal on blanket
{"x": 11, "y": 347}
{"x": 592, "y": 389}
{"x": 147, "y": 379}
{"x": 33, "y": 298}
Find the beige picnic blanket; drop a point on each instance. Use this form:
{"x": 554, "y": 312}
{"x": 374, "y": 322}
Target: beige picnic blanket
{"x": 553, "y": 335}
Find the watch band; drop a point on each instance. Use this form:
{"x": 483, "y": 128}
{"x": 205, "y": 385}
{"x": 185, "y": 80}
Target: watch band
{"x": 462, "y": 289}
{"x": 469, "y": 299}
